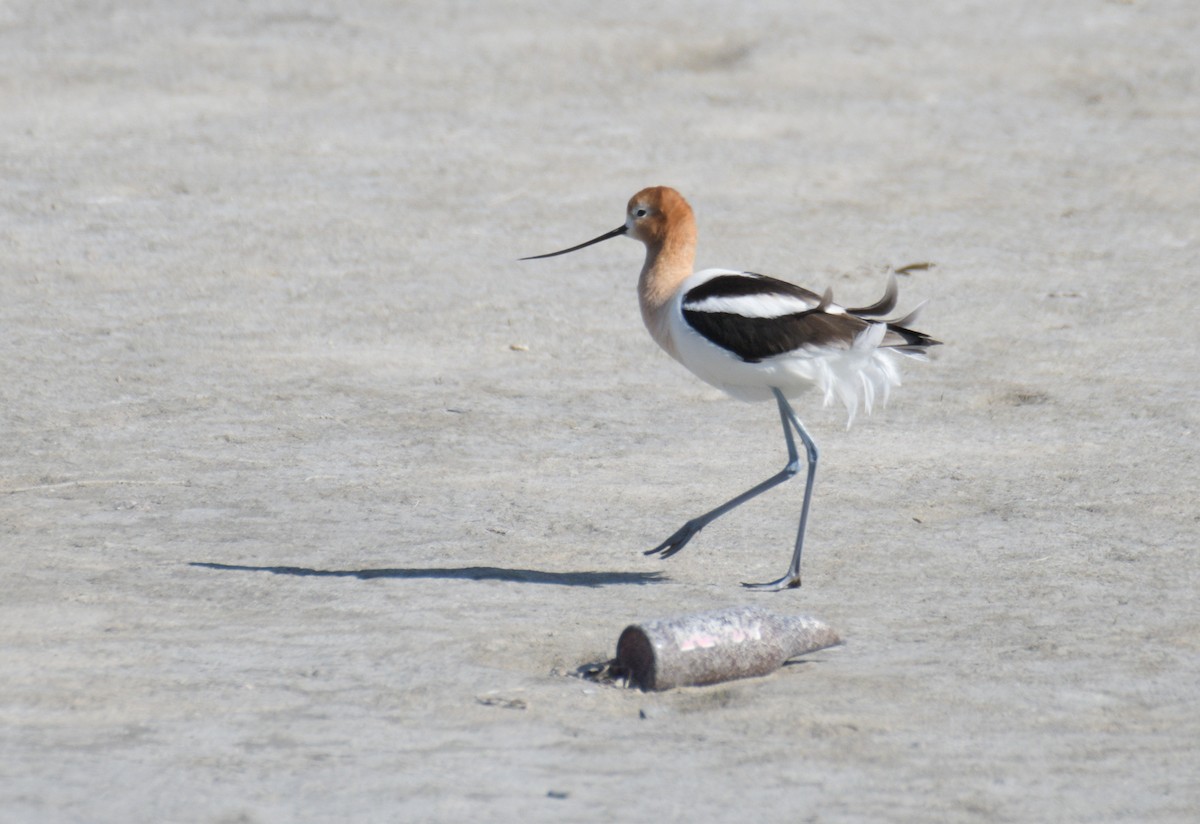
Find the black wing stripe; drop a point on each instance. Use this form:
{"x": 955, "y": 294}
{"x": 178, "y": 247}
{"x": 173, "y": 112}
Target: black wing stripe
{"x": 754, "y": 339}
{"x": 748, "y": 285}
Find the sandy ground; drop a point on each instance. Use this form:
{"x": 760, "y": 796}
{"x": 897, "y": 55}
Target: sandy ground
{"x": 311, "y": 495}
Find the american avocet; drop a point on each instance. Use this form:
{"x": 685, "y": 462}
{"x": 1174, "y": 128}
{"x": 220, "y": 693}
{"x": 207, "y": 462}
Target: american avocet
{"x": 757, "y": 338}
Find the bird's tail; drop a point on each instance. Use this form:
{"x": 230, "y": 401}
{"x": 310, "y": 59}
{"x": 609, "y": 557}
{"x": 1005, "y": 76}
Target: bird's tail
{"x": 898, "y": 337}
{"x": 861, "y": 375}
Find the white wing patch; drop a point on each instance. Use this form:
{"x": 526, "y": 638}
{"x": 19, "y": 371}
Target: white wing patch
{"x": 753, "y": 306}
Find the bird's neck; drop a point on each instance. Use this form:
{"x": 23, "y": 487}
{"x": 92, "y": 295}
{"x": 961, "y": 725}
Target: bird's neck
{"x": 668, "y": 264}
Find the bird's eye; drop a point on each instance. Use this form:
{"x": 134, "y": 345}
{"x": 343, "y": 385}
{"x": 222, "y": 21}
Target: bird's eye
{"x": 639, "y": 212}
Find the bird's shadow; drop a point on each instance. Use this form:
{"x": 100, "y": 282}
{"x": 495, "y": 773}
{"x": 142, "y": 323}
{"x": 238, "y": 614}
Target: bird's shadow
{"x": 522, "y": 576}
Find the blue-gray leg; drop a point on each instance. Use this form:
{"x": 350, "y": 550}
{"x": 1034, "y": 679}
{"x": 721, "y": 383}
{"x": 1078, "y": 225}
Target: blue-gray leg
{"x": 790, "y": 422}
{"x": 792, "y": 579}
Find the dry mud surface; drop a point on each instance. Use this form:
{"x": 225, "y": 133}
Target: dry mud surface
{"x": 311, "y": 495}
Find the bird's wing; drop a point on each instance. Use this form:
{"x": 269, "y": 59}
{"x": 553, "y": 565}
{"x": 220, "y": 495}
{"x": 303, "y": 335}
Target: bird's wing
{"x": 757, "y": 317}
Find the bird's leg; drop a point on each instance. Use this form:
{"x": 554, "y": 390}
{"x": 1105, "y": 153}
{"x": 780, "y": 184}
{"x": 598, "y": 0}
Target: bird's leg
{"x": 792, "y": 579}
{"x": 685, "y": 533}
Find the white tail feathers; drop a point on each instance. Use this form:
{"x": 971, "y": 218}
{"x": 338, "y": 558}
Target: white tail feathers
{"x": 860, "y": 375}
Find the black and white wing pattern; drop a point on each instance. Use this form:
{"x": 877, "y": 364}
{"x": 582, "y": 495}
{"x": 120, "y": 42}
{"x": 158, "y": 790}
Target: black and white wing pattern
{"x": 757, "y": 317}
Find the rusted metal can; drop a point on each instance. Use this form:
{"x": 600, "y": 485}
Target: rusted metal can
{"x": 693, "y": 650}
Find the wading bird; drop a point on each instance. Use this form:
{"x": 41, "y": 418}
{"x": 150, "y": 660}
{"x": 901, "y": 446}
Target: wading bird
{"x": 758, "y": 338}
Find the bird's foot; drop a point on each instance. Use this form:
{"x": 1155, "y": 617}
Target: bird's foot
{"x": 788, "y": 581}
{"x": 677, "y": 541}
